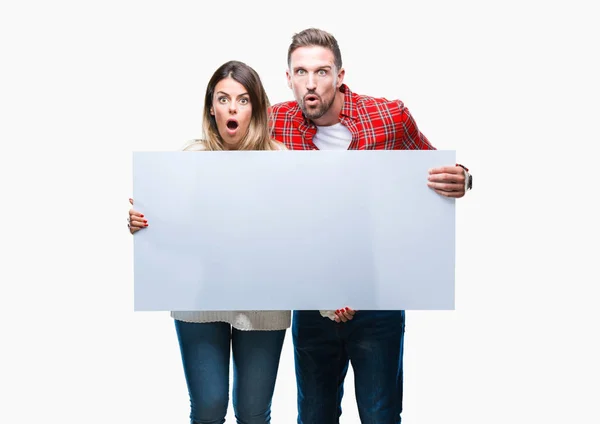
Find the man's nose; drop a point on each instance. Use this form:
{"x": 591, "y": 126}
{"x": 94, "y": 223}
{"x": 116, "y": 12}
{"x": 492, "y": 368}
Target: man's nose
{"x": 310, "y": 82}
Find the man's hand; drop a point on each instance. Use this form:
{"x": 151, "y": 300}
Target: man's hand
{"x": 344, "y": 315}
{"x": 448, "y": 181}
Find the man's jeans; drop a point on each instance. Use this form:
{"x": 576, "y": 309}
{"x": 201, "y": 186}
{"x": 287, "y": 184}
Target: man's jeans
{"x": 372, "y": 342}
{"x": 205, "y": 351}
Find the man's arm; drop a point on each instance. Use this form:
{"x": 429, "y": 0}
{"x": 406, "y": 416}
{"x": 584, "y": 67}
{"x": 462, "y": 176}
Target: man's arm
{"x": 449, "y": 181}
{"x": 412, "y": 138}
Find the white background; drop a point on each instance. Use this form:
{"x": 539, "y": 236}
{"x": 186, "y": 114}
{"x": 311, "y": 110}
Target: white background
{"x": 512, "y": 86}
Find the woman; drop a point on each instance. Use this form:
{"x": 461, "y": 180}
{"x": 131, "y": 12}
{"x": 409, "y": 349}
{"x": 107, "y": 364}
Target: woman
{"x": 235, "y": 118}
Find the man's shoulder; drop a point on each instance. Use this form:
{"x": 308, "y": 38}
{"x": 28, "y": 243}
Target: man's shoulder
{"x": 373, "y": 101}
{"x": 289, "y": 107}
{"x": 375, "y": 108}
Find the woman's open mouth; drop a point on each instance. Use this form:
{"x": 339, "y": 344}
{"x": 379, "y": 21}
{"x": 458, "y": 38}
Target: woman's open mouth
{"x": 232, "y": 126}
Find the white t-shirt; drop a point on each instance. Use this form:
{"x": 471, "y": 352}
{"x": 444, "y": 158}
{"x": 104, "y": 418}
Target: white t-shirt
{"x": 333, "y": 137}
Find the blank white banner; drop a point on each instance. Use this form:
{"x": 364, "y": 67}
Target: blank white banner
{"x": 292, "y": 230}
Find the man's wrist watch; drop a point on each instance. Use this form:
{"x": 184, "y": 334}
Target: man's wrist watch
{"x": 468, "y": 177}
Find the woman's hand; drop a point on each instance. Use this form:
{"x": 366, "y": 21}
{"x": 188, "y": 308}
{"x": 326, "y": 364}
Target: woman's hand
{"x": 344, "y": 314}
{"x": 136, "y": 220}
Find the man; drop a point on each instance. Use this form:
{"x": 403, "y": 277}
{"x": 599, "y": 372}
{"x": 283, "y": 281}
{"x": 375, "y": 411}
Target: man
{"x": 327, "y": 115}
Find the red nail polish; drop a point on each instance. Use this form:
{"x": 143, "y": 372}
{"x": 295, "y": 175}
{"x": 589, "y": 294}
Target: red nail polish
{"x": 142, "y": 215}
{"x": 145, "y": 220}
{"x": 345, "y": 309}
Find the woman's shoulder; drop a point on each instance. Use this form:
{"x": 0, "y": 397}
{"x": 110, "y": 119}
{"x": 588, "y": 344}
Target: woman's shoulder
{"x": 194, "y": 146}
{"x": 278, "y": 145}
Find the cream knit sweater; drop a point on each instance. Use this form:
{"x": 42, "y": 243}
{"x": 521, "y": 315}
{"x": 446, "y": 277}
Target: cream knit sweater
{"x": 241, "y": 320}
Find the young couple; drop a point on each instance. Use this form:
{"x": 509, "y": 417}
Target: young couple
{"x": 324, "y": 115}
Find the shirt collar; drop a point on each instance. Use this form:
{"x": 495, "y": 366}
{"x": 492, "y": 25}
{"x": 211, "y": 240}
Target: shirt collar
{"x": 349, "y": 107}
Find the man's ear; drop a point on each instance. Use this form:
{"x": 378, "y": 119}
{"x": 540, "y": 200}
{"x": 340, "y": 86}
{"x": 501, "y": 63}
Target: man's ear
{"x": 340, "y": 80}
{"x": 289, "y": 78}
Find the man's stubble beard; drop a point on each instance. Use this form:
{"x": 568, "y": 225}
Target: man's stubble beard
{"x": 321, "y": 110}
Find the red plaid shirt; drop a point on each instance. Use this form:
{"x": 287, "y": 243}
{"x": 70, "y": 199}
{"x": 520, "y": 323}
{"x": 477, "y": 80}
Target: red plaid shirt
{"x": 375, "y": 123}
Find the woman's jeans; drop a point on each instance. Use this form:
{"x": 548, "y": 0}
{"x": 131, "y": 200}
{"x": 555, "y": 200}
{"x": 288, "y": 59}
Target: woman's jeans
{"x": 205, "y": 351}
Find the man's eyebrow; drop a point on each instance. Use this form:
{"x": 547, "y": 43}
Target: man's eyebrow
{"x": 295, "y": 68}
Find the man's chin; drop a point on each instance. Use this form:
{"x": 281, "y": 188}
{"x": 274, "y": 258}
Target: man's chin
{"x": 313, "y": 113}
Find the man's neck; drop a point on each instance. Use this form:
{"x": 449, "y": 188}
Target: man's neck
{"x": 332, "y": 116}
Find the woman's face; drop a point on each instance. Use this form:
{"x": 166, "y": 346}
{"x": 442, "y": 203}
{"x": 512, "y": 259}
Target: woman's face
{"x": 232, "y": 111}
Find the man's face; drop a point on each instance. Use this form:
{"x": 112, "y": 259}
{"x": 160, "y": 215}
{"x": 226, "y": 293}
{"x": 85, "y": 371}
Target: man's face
{"x": 314, "y": 80}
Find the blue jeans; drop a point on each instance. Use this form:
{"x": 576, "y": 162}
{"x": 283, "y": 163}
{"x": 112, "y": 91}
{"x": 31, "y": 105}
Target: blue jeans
{"x": 205, "y": 351}
{"x": 372, "y": 342}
